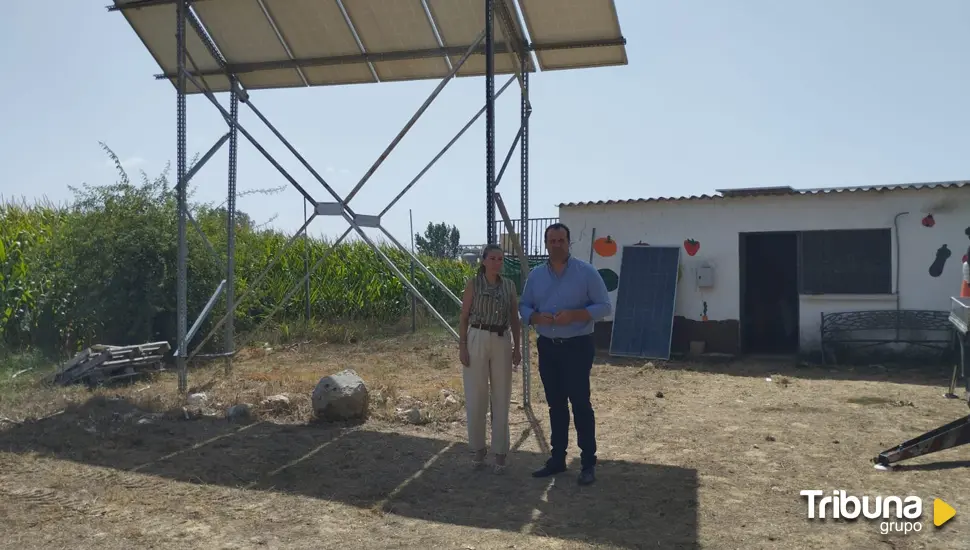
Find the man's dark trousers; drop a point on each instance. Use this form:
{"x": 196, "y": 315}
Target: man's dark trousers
{"x": 564, "y": 367}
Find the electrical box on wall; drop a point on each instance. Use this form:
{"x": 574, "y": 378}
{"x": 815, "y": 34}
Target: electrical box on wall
{"x": 705, "y": 276}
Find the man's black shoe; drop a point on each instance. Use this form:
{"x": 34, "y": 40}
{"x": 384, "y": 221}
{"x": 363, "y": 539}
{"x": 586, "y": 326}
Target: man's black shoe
{"x": 587, "y": 476}
{"x": 549, "y": 470}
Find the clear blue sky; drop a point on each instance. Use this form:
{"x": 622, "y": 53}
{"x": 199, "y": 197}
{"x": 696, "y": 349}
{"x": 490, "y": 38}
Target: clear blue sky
{"x": 743, "y": 93}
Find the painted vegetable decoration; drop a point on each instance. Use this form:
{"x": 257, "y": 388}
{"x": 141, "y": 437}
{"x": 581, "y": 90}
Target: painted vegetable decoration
{"x": 942, "y": 253}
{"x": 928, "y": 221}
{"x": 605, "y": 246}
{"x": 691, "y": 246}
{"x": 610, "y": 279}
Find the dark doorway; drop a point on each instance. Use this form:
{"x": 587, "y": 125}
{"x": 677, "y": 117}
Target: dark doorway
{"x": 769, "y": 292}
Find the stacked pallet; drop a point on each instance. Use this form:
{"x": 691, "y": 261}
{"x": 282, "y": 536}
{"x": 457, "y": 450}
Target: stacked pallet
{"x": 101, "y": 364}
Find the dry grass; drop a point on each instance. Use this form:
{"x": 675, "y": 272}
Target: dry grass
{"x": 692, "y": 455}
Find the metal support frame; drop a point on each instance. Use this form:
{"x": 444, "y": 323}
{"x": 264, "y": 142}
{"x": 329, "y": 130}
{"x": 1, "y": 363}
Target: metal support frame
{"x": 490, "y": 121}
{"x": 341, "y": 208}
{"x": 948, "y": 436}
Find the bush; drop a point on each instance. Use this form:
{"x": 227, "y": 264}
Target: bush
{"x": 103, "y": 270}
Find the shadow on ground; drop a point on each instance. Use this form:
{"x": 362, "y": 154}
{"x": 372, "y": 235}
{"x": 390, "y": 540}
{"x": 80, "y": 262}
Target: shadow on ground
{"x": 754, "y": 366}
{"x": 631, "y": 505}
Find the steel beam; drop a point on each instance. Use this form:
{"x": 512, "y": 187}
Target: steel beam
{"x": 181, "y": 197}
{"x": 525, "y": 113}
{"x": 230, "y": 336}
{"x": 948, "y": 436}
{"x": 489, "y": 120}
{"x": 376, "y": 57}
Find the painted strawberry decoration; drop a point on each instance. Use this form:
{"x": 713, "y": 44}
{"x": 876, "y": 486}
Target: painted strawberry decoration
{"x": 691, "y": 246}
{"x": 928, "y": 221}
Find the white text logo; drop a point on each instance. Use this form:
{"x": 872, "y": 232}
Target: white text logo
{"x": 898, "y": 514}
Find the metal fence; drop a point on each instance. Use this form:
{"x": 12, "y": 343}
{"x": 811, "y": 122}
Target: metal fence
{"x": 536, "y": 245}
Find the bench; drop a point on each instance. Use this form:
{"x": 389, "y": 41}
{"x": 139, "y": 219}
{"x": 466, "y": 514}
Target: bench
{"x": 862, "y": 329}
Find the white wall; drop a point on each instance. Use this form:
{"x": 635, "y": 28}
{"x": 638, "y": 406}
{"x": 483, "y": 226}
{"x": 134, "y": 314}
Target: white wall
{"x": 716, "y": 223}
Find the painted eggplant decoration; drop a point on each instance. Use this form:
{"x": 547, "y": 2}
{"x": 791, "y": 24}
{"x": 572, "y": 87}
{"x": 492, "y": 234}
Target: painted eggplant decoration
{"x": 942, "y": 253}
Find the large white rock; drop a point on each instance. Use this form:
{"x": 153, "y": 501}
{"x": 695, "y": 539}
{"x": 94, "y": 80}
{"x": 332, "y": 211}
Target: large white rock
{"x": 340, "y": 396}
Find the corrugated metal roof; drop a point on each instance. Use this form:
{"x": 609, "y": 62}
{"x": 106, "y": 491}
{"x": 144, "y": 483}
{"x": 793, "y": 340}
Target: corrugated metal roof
{"x": 778, "y": 191}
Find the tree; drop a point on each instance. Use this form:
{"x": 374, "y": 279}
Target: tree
{"x": 439, "y": 241}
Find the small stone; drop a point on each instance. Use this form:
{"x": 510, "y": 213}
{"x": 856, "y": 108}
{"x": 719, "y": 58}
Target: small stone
{"x": 276, "y": 403}
{"x": 450, "y": 400}
{"x": 414, "y": 416}
{"x": 836, "y": 441}
{"x": 238, "y": 412}
{"x": 660, "y": 394}
{"x": 196, "y": 399}
{"x": 341, "y": 396}
{"x": 769, "y": 438}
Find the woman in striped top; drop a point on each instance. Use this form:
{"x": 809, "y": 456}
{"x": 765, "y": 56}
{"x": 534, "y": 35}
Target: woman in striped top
{"x": 489, "y": 313}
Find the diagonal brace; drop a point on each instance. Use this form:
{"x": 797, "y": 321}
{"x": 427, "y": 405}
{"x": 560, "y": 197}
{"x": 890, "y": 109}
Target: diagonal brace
{"x": 407, "y": 127}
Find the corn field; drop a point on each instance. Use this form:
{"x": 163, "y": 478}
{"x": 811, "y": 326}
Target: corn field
{"x": 103, "y": 270}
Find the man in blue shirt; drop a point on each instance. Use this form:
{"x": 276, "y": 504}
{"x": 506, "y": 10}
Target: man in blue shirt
{"x": 562, "y": 300}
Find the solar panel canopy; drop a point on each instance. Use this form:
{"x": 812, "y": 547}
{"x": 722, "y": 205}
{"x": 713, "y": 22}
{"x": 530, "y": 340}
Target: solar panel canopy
{"x": 643, "y": 318}
{"x": 293, "y": 43}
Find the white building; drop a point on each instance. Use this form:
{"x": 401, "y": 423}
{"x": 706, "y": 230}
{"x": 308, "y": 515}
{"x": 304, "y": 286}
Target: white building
{"x": 778, "y": 250}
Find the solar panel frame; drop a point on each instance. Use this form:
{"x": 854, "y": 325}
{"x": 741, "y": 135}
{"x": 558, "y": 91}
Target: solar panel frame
{"x": 258, "y": 39}
{"x": 628, "y": 337}
{"x": 313, "y": 29}
{"x": 588, "y": 21}
{"x": 459, "y": 23}
{"x": 397, "y": 25}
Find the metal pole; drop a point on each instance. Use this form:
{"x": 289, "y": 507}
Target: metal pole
{"x": 526, "y": 111}
{"x": 205, "y": 158}
{"x": 230, "y": 346}
{"x": 306, "y": 267}
{"x": 182, "y": 284}
{"x": 508, "y": 157}
{"x": 489, "y": 121}
{"x": 414, "y": 302}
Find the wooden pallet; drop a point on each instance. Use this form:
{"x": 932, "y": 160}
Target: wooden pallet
{"x": 101, "y": 364}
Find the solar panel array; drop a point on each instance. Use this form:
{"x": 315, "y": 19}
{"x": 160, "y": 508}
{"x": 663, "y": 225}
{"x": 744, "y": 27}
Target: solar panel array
{"x": 643, "y": 317}
{"x": 291, "y": 43}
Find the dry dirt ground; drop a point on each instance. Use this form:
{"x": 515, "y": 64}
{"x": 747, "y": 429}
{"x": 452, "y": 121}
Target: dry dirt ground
{"x": 692, "y": 456}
